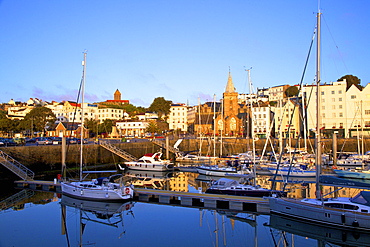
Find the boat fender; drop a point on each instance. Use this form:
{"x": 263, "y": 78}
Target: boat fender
{"x": 344, "y": 236}
{"x": 343, "y": 218}
{"x": 355, "y": 223}
{"x": 127, "y": 191}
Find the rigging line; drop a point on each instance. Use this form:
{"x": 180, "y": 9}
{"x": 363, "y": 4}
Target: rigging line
{"x": 75, "y": 113}
{"x": 294, "y": 108}
{"x": 336, "y": 46}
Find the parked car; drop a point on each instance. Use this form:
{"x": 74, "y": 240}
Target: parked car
{"x": 43, "y": 141}
{"x": 9, "y": 142}
{"x": 56, "y": 140}
{"x": 20, "y": 141}
{"x": 72, "y": 140}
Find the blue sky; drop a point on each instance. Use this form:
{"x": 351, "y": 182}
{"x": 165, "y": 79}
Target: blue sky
{"x": 180, "y": 50}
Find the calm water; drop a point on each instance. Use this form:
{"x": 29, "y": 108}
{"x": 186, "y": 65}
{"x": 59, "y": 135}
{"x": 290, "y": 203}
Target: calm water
{"x": 49, "y": 219}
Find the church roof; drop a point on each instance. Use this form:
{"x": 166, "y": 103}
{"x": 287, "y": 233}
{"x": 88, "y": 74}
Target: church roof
{"x": 230, "y": 85}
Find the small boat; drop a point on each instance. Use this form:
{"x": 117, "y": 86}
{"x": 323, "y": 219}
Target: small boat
{"x": 102, "y": 189}
{"x": 194, "y": 158}
{"x": 149, "y": 162}
{"x": 222, "y": 171}
{"x": 227, "y": 186}
{"x": 359, "y": 174}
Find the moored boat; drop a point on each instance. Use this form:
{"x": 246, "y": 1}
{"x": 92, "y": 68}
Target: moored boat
{"x": 149, "y": 162}
{"x": 227, "y": 186}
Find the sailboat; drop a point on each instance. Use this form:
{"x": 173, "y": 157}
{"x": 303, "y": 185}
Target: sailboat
{"x": 108, "y": 189}
{"x": 347, "y": 213}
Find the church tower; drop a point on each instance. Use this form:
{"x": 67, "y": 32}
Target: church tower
{"x": 230, "y": 97}
{"x": 117, "y": 95}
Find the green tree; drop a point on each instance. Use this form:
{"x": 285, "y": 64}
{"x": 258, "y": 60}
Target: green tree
{"x": 6, "y": 125}
{"x": 92, "y": 126}
{"x": 291, "y": 91}
{"x": 106, "y": 126}
{"x": 160, "y": 106}
{"x": 152, "y": 128}
{"x": 351, "y": 79}
{"x": 38, "y": 119}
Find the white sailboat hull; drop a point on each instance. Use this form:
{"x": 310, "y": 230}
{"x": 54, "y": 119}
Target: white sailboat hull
{"x": 89, "y": 191}
{"x": 219, "y": 171}
{"x": 293, "y": 172}
{"x": 319, "y": 214}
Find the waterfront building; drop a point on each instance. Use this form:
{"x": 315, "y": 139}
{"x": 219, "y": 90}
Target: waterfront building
{"x": 263, "y": 120}
{"x": 346, "y": 111}
{"x": 288, "y": 121}
{"x": 177, "y": 118}
{"x": 67, "y": 129}
{"x": 132, "y": 129}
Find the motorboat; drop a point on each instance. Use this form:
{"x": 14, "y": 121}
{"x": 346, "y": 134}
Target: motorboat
{"x": 149, "y": 162}
{"x": 228, "y": 186}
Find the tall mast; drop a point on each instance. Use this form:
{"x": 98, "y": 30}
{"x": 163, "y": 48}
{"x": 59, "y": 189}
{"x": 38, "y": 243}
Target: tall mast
{"x": 318, "y": 108}
{"x": 82, "y": 111}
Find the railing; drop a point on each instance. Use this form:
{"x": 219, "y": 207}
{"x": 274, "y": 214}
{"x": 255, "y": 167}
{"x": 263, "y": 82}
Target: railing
{"x": 14, "y": 199}
{"x": 163, "y": 145}
{"x": 16, "y": 167}
{"x": 117, "y": 151}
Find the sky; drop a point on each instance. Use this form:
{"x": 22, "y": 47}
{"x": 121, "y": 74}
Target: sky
{"x": 180, "y": 50}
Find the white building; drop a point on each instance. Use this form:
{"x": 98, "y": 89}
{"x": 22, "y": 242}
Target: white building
{"x": 345, "y": 111}
{"x": 262, "y": 120}
{"x": 134, "y": 129}
{"x": 178, "y": 117}
{"x": 111, "y": 113}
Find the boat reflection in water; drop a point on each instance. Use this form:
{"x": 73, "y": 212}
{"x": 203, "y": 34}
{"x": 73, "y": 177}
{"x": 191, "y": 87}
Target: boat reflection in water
{"x": 324, "y": 234}
{"x": 150, "y": 179}
{"x": 104, "y": 213}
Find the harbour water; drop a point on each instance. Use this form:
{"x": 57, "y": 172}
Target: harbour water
{"x": 50, "y": 219}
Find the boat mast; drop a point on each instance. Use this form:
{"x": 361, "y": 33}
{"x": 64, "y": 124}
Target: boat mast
{"x": 318, "y": 109}
{"x": 82, "y": 111}
{"x": 252, "y": 128}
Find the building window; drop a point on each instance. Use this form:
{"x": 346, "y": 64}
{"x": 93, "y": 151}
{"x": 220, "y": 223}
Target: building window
{"x": 367, "y": 112}
{"x": 340, "y": 91}
{"x": 340, "y": 106}
{"x": 340, "y": 114}
{"x": 322, "y": 93}
{"x": 333, "y": 100}
{"x": 332, "y": 92}
{"x": 340, "y": 99}
{"x": 353, "y": 96}
{"x": 333, "y": 107}
{"x": 334, "y": 115}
